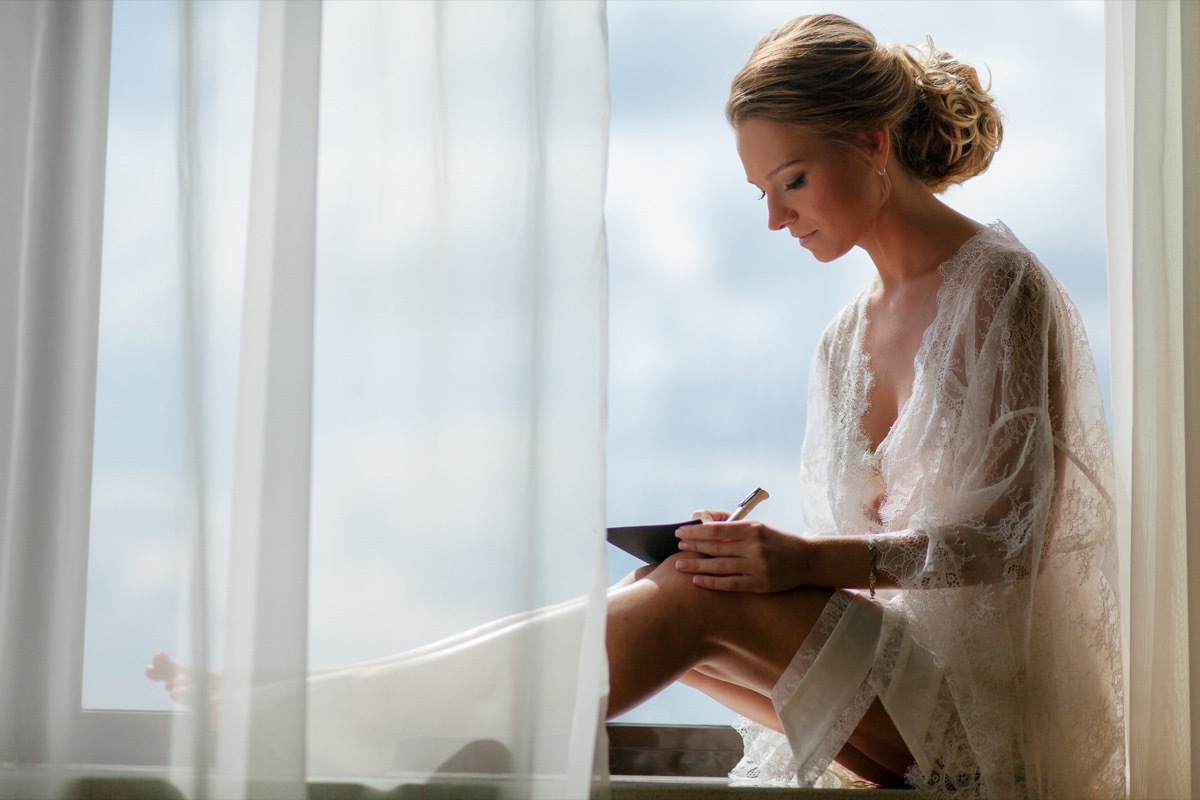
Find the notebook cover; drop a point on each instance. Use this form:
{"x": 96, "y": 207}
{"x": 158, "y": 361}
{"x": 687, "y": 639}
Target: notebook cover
{"x": 650, "y": 543}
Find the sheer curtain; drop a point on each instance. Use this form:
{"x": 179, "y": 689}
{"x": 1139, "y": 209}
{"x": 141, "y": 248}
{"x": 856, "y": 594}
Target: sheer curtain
{"x": 411, "y": 354}
{"x": 1153, "y": 108}
{"x": 53, "y": 103}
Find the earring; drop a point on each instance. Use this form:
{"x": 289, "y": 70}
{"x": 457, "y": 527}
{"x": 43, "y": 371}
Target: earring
{"x": 879, "y": 172}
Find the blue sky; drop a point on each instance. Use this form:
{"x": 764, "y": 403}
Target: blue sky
{"x": 712, "y": 317}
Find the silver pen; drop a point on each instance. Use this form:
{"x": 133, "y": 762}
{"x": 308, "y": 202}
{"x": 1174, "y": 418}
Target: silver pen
{"x": 747, "y": 505}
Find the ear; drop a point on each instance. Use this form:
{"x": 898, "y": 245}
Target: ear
{"x": 877, "y": 144}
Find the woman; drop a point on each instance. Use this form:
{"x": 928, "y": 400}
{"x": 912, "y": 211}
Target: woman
{"x": 944, "y": 619}
{"x": 956, "y": 460}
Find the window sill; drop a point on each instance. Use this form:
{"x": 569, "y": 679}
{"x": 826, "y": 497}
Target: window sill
{"x": 647, "y": 762}
{"x": 621, "y": 788}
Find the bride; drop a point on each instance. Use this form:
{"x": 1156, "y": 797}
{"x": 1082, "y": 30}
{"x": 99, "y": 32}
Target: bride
{"x": 943, "y": 618}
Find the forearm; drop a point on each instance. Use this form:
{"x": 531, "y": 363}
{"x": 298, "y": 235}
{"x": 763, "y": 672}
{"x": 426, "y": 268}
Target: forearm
{"x": 753, "y": 557}
{"x": 841, "y": 562}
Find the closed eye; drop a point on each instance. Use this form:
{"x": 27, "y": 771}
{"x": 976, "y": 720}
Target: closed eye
{"x": 797, "y": 183}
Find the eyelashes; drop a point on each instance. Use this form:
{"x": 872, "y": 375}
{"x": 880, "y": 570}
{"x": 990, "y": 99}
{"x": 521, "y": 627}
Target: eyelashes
{"x": 795, "y": 184}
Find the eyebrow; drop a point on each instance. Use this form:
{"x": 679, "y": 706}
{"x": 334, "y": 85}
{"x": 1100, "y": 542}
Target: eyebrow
{"x": 785, "y": 165}
{"x": 781, "y": 168}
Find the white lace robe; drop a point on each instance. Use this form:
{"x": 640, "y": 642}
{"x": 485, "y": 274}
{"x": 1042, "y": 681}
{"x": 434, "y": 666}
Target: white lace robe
{"x": 990, "y": 501}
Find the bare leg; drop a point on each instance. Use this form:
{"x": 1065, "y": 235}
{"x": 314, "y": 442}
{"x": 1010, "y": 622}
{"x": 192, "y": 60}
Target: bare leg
{"x": 661, "y": 628}
{"x": 876, "y": 751}
{"x": 732, "y": 645}
{"x": 760, "y": 709}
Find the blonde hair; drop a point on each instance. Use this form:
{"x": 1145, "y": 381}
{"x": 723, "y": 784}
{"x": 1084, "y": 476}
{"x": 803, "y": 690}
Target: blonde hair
{"x": 828, "y": 74}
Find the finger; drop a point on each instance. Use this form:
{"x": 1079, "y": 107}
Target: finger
{"x": 708, "y": 515}
{"x": 728, "y": 583}
{"x": 711, "y": 566}
{"x": 714, "y": 531}
{"x": 715, "y": 547}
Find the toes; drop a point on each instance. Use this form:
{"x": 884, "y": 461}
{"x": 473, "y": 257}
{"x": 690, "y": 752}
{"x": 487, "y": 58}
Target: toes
{"x": 162, "y": 668}
{"x": 185, "y": 696}
{"x": 181, "y": 682}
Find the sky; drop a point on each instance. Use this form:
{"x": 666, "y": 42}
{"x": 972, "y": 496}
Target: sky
{"x": 712, "y": 318}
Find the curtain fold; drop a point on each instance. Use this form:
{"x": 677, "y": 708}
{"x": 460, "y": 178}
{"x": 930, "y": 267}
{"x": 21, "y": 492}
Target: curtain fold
{"x": 54, "y": 104}
{"x": 410, "y": 444}
{"x": 1153, "y": 97}
{"x": 267, "y": 624}
{"x": 460, "y": 326}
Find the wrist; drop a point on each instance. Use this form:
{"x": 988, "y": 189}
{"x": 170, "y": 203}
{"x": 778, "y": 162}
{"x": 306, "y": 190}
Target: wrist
{"x": 837, "y": 562}
{"x": 807, "y": 561}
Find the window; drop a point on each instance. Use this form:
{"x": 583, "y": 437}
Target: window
{"x": 713, "y": 319}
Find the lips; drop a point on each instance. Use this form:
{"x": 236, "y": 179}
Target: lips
{"x": 804, "y": 238}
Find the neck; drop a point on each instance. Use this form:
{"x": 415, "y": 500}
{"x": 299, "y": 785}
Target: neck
{"x": 914, "y": 234}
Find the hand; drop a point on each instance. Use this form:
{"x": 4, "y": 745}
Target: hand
{"x": 743, "y": 556}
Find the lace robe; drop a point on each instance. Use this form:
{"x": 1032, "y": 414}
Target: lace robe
{"x": 990, "y": 501}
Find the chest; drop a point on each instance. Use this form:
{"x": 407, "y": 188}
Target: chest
{"x": 893, "y": 337}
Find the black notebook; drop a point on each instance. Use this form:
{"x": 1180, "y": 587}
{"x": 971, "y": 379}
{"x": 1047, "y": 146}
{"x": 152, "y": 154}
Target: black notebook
{"x": 650, "y": 543}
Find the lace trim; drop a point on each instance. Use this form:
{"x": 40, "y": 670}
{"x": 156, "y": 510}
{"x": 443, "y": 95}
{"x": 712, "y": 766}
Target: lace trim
{"x": 767, "y": 758}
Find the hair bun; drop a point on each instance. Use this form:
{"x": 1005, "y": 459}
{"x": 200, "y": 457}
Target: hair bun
{"x": 953, "y": 127}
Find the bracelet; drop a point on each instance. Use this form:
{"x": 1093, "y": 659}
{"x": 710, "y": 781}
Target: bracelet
{"x": 872, "y": 558}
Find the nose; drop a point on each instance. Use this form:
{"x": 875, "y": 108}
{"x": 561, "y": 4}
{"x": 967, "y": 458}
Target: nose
{"x": 779, "y": 216}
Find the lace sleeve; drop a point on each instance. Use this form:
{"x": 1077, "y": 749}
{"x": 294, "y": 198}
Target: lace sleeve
{"x": 991, "y": 397}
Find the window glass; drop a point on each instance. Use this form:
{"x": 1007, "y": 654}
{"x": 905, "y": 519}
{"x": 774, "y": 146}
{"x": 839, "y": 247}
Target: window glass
{"x": 143, "y": 488}
{"x": 713, "y": 318}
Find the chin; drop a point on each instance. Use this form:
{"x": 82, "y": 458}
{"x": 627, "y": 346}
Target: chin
{"x": 825, "y": 255}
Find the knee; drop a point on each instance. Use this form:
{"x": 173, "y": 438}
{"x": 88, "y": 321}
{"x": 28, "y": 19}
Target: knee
{"x": 664, "y": 573}
{"x": 643, "y": 571}
{"x": 633, "y": 577}
{"x": 673, "y": 592}
{"x": 680, "y": 587}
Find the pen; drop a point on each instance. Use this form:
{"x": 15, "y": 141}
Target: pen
{"x": 747, "y": 505}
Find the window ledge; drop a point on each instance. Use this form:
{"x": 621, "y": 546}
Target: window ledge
{"x": 647, "y": 762}
{"x": 622, "y": 788}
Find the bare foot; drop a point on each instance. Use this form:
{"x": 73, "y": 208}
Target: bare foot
{"x": 180, "y": 681}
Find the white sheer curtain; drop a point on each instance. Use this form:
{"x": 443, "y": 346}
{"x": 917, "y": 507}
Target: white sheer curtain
{"x": 53, "y": 107}
{"x": 1153, "y": 88}
{"x": 417, "y": 429}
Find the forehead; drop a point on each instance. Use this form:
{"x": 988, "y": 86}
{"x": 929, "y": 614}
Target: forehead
{"x": 765, "y": 145}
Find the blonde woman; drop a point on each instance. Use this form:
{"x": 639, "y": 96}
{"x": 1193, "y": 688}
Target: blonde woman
{"x": 943, "y": 617}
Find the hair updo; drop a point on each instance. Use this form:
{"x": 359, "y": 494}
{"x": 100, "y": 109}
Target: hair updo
{"x": 829, "y": 74}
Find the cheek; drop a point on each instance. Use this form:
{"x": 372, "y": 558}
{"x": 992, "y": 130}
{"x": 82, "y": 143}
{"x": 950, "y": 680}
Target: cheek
{"x": 858, "y": 200}
{"x": 841, "y": 208}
